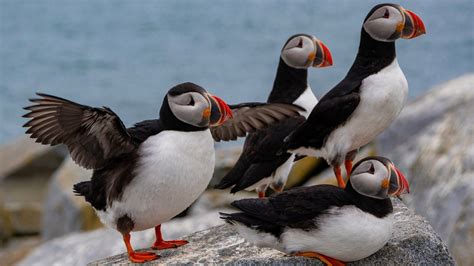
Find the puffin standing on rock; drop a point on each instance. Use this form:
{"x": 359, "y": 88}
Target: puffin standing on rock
{"x": 259, "y": 166}
{"x": 367, "y": 100}
{"x": 327, "y": 222}
{"x": 145, "y": 175}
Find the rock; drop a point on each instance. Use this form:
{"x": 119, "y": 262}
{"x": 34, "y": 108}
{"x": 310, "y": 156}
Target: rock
{"x": 63, "y": 211}
{"x": 225, "y": 160}
{"x": 302, "y": 170}
{"x": 23, "y": 152}
{"x": 414, "y": 242}
{"x": 24, "y": 174}
{"x": 82, "y": 248}
{"x": 432, "y": 142}
{"x": 18, "y": 248}
{"x": 6, "y": 229}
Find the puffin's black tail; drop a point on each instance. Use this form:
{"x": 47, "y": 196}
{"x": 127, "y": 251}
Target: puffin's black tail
{"x": 234, "y": 175}
{"x": 240, "y": 217}
{"x": 82, "y": 188}
{"x": 252, "y": 222}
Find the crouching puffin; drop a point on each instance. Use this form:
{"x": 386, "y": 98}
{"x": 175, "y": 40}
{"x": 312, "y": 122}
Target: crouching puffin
{"x": 327, "y": 222}
{"x": 145, "y": 175}
{"x": 367, "y": 100}
{"x": 259, "y": 165}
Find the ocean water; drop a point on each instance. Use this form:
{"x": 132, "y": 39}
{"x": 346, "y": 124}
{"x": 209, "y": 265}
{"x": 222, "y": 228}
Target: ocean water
{"x": 127, "y": 54}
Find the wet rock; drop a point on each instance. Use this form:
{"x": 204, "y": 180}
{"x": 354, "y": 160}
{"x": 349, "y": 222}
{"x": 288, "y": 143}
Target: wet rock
{"x": 432, "y": 142}
{"x": 63, "y": 211}
{"x": 413, "y": 243}
{"x": 82, "y": 248}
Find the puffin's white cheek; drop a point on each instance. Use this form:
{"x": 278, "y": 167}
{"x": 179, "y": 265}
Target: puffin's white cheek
{"x": 297, "y": 57}
{"x": 381, "y": 29}
{"x": 192, "y": 115}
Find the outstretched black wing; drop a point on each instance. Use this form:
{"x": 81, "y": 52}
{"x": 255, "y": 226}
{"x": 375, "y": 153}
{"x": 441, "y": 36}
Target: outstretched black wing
{"x": 92, "y": 135}
{"x": 249, "y": 117}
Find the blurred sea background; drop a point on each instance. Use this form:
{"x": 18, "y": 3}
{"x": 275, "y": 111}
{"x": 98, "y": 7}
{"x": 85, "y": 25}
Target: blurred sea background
{"x": 127, "y": 54}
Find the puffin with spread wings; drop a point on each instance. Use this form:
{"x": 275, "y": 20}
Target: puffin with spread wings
{"x": 147, "y": 174}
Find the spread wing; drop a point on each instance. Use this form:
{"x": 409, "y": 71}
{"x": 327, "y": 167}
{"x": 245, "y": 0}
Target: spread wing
{"x": 92, "y": 135}
{"x": 249, "y": 117}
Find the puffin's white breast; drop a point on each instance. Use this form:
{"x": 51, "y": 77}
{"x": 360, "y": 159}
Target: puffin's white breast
{"x": 382, "y": 97}
{"x": 307, "y": 100}
{"x": 174, "y": 168}
{"x": 345, "y": 233}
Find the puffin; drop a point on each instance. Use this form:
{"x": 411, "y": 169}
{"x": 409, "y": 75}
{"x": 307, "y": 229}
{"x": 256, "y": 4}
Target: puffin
{"x": 333, "y": 224}
{"x": 259, "y": 166}
{"x": 367, "y": 100}
{"x": 145, "y": 175}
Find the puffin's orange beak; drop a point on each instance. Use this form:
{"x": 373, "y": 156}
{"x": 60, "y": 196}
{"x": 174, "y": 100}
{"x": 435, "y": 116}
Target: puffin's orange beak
{"x": 414, "y": 26}
{"x": 398, "y": 183}
{"x": 323, "y": 57}
{"x": 220, "y": 111}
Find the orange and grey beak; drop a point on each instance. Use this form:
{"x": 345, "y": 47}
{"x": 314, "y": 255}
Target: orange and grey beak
{"x": 220, "y": 111}
{"x": 413, "y": 27}
{"x": 322, "y": 56}
{"x": 398, "y": 182}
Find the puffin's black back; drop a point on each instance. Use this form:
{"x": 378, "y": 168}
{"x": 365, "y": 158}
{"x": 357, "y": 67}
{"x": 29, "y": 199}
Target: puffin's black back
{"x": 302, "y": 207}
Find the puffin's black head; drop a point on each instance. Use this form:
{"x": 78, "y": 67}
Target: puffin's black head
{"x": 188, "y": 106}
{"x": 377, "y": 177}
{"x": 388, "y": 22}
{"x": 303, "y": 51}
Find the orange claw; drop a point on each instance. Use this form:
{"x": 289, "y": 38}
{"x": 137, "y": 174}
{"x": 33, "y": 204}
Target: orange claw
{"x": 137, "y": 257}
{"x": 162, "y": 244}
{"x": 325, "y": 259}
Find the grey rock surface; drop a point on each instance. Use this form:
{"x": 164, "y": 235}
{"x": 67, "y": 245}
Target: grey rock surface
{"x": 82, "y": 248}
{"x": 65, "y": 212}
{"x": 432, "y": 142}
{"x": 413, "y": 242}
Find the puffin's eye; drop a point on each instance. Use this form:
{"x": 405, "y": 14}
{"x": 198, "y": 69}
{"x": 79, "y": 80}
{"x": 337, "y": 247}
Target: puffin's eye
{"x": 386, "y": 14}
{"x": 191, "y": 102}
{"x": 300, "y": 43}
{"x": 372, "y": 169}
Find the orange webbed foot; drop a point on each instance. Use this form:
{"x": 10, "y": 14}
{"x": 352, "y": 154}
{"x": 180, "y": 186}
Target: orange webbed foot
{"x": 169, "y": 244}
{"x": 140, "y": 257}
{"x": 325, "y": 259}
